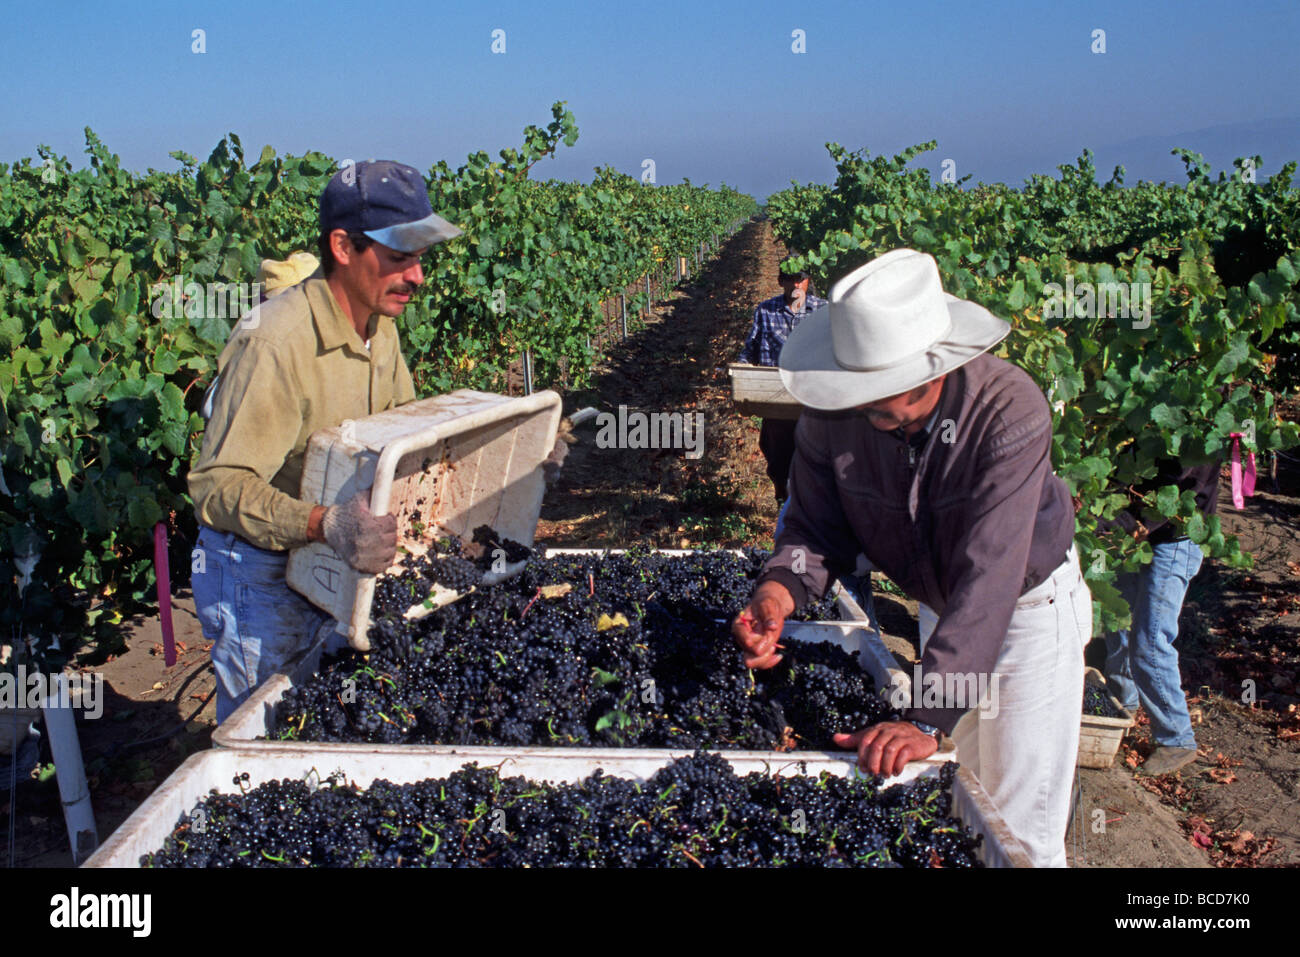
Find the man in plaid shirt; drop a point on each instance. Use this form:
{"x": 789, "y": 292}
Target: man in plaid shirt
{"x": 773, "y": 321}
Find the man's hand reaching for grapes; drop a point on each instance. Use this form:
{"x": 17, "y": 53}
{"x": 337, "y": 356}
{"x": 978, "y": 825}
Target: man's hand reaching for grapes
{"x": 886, "y": 747}
{"x": 758, "y": 628}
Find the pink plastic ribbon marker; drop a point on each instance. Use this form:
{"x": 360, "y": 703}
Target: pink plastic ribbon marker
{"x": 1241, "y": 486}
{"x": 162, "y": 572}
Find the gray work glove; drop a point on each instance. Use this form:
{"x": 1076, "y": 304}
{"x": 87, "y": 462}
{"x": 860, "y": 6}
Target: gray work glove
{"x": 366, "y": 542}
{"x": 552, "y": 464}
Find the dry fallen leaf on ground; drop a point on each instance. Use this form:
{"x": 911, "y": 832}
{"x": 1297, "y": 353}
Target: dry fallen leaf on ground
{"x": 1240, "y": 843}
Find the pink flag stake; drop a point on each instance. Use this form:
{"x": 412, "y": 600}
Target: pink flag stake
{"x": 1241, "y": 487}
{"x": 162, "y": 572}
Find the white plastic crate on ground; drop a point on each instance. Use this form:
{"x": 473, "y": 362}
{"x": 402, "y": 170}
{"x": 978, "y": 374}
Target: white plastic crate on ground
{"x": 758, "y": 390}
{"x": 1099, "y": 736}
{"x": 146, "y": 829}
{"x": 247, "y": 727}
{"x": 459, "y": 460}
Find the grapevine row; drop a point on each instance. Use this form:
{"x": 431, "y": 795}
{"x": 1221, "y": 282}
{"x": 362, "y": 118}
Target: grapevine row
{"x": 100, "y": 389}
{"x": 1216, "y": 263}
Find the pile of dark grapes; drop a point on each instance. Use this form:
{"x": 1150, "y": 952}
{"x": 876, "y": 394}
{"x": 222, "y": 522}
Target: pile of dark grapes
{"x": 450, "y": 563}
{"x": 443, "y": 563}
{"x": 582, "y": 651}
{"x": 486, "y": 536}
{"x": 693, "y": 812}
{"x": 1096, "y": 702}
{"x": 715, "y": 584}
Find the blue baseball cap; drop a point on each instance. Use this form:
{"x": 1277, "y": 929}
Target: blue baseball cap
{"x": 386, "y": 201}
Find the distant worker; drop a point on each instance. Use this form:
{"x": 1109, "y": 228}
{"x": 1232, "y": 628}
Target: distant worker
{"x": 273, "y": 276}
{"x": 774, "y": 320}
{"x": 319, "y": 352}
{"x": 1141, "y": 661}
{"x": 276, "y": 276}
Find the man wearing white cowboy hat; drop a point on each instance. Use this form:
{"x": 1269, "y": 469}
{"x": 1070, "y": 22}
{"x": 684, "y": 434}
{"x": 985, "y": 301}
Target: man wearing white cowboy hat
{"x": 933, "y": 458}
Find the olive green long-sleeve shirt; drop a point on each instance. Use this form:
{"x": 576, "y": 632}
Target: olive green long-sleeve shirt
{"x": 292, "y": 367}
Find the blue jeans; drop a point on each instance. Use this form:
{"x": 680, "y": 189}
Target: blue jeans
{"x": 255, "y": 622}
{"x": 1143, "y": 665}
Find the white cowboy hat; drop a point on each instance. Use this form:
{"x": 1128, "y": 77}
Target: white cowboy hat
{"x": 887, "y": 327}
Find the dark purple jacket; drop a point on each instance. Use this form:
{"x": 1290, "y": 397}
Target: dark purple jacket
{"x": 967, "y": 524}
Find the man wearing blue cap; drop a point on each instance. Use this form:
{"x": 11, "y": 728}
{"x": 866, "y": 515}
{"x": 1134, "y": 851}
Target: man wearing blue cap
{"x": 320, "y": 352}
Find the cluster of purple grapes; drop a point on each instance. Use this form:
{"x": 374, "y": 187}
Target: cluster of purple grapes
{"x": 628, "y": 650}
{"x": 694, "y": 812}
{"x": 1097, "y": 702}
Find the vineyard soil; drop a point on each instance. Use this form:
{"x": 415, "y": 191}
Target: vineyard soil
{"x": 1236, "y": 625}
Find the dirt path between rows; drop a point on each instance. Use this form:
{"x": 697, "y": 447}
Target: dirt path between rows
{"x": 1239, "y": 805}
{"x": 718, "y": 493}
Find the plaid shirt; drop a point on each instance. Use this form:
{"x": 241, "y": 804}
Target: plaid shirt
{"x": 773, "y": 321}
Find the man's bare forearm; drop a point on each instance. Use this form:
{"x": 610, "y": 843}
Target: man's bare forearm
{"x": 314, "y": 533}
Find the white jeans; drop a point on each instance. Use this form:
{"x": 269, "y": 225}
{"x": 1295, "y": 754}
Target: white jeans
{"x": 1025, "y": 754}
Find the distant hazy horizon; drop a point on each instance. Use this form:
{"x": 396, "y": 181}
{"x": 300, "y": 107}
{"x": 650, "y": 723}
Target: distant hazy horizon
{"x": 713, "y": 94}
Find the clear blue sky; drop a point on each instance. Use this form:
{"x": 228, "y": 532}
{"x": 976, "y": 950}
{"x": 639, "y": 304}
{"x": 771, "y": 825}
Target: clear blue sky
{"x": 710, "y": 91}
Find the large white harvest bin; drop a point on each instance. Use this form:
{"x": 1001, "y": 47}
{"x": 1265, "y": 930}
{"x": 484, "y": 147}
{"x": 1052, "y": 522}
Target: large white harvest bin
{"x": 247, "y": 727}
{"x": 459, "y": 461}
{"x": 758, "y": 390}
{"x": 146, "y": 829}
